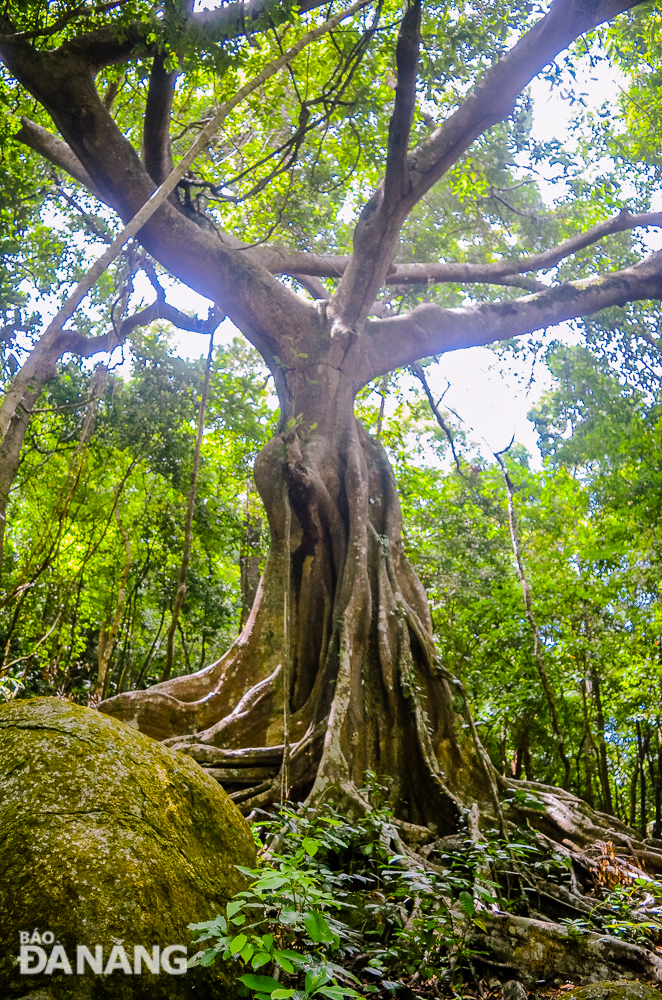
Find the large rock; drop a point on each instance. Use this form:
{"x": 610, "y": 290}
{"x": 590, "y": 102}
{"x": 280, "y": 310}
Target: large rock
{"x": 612, "y": 990}
{"x": 108, "y": 838}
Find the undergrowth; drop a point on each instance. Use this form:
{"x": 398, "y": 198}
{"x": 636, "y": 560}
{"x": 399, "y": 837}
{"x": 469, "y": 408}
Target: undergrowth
{"x": 332, "y": 912}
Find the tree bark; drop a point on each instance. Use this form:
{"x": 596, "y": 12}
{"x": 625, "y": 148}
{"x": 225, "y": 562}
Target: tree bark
{"x": 366, "y": 687}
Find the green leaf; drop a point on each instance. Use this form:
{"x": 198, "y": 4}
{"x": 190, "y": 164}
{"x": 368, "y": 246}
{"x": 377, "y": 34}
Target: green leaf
{"x": 317, "y": 927}
{"x": 271, "y": 882}
{"x": 337, "y": 992}
{"x": 237, "y": 943}
{"x": 311, "y": 846}
{"x": 233, "y": 906}
{"x": 246, "y": 952}
{"x": 260, "y": 984}
{"x": 315, "y": 980}
{"x": 282, "y": 994}
{"x": 283, "y": 961}
{"x": 260, "y": 959}
{"x": 468, "y": 903}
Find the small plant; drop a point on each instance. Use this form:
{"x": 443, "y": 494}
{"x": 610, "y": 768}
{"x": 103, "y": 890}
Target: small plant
{"x": 333, "y": 911}
{"x": 283, "y": 922}
{"x": 338, "y": 912}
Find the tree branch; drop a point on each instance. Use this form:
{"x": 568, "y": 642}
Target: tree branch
{"x": 262, "y": 307}
{"x": 429, "y": 329}
{"x": 502, "y": 272}
{"x": 57, "y": 152}
{"x": 157, "y": 155}
{"x": 420, "y": 375}
{"x": 396, "y": 177}
{"x": 492, "y": 100}
{"x": 61, "y": 22}
{"x": 106, "y": 46}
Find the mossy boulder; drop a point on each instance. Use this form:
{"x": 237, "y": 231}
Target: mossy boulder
{"x": 617, "y": 989}
{"x": 108, "y": 839}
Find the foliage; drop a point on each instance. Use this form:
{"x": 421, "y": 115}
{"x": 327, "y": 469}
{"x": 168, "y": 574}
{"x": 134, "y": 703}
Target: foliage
{"x": 334, "y": 911}
{"x": 74, "y": 498}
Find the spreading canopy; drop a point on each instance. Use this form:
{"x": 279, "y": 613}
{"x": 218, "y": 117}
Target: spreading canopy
{"x": 430, "y": 100}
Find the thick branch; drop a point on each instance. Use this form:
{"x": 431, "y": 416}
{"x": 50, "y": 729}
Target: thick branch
{"x": 157, "y": 155}
{"x": 502, "y": 272}
{"x": 106, "y": 46}
{"x": 429, "y": 329}
{"x": 396, "y": 178}
{"x": 261, "y": 307}
{"x": 56, "y": 151}
{"x": 377, "y": 231}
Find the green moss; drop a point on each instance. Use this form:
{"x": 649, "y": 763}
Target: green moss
{"x": 107, "y": 836}
{"x": 615, "y": 990}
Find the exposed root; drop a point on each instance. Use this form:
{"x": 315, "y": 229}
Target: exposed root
{"x": 538, "y": 950}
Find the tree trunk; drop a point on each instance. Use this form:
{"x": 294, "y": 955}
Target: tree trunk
{"x": 365, "y": 682}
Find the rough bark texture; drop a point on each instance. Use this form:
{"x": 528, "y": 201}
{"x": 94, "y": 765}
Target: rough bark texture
{"x": 366, "y": 691}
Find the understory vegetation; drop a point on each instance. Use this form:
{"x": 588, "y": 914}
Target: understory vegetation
{"x": 334, "y": 911}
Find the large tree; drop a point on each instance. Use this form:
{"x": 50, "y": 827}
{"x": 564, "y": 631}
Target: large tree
{"x": 336, "y": 670}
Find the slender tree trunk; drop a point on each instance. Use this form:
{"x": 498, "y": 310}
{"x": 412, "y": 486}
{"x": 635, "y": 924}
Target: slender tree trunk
{"x": 188, "y": 527}
{"x": 587, "y": 747}
{"x": 537, "y": 645}
{"x": 642, "y": 747}
{"x": 657, "y": 832}
{"x": 603, "y": 769}
{"x": 633, "y": 793}
{"x": 108, "y": 638}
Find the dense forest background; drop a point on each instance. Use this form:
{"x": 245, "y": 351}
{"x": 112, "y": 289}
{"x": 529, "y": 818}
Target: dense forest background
{"x": 95, "y": 533}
